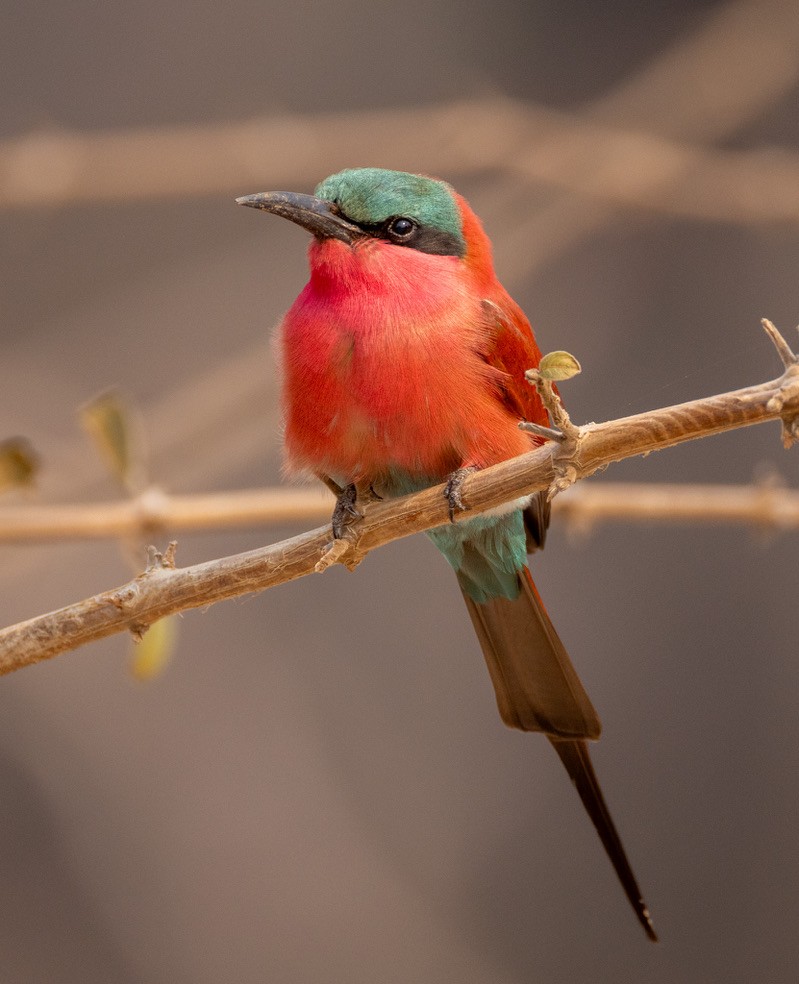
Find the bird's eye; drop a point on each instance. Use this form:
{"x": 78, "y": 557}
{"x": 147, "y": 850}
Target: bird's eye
{"x": 400, "y": 228}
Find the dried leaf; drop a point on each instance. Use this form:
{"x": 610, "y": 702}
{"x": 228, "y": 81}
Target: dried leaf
{"x": 107, "y": 422}
{"x": 152, "y": 655}
{"x": 557, "y": 366}
{"x": 19, "y": 463}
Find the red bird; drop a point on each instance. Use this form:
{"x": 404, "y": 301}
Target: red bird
{"x": 404, "y": 361}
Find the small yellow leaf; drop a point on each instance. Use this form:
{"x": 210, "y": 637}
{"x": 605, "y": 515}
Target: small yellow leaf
{"x": 152, "y": 655}
{"x": 556, "y": 366}
{"x": 107, "y": 422}
{"x": 18, "y": 463}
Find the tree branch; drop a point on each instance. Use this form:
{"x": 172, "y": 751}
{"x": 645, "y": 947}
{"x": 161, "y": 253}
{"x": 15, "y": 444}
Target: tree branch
{"x": 156, "y": 512}
{"x": 580, "y": 155}
{"x": 765, "y": 505}
{"x": 163, "y": 589}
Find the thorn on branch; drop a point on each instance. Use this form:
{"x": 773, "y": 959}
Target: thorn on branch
{"x": 339, "y": 551}
{"x": 137, "y": 630}
{"x": 565, "y": 477}
{"x": 786, "y": 401}
{"x": 123, "y": 598}
{"x": 548, "y": 433}
{"x": 783, "y": 348}
{"x": 157, "y": 561}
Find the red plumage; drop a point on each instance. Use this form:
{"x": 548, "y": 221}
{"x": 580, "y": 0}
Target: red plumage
{"x": 398, "y": 358}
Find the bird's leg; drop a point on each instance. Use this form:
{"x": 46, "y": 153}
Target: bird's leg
{"x": 343, "y": 549}
{"x": 334, "y": 487}
{"x": 346, "y": 512}
{"x": 453, "y": 490}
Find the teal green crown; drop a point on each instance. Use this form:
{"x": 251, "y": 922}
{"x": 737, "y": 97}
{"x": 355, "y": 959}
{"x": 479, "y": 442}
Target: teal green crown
{"x": 370, "y": 195}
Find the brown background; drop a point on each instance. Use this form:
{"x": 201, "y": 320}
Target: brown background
{"x": 319, "y": 787}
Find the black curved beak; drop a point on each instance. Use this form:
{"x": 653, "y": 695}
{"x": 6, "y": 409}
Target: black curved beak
{"x": 314, "y": 214}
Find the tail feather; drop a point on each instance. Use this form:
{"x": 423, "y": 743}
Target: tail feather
{"x": 575, "y": 758}
{"x": 536, "y": 685}
{"x": 538, "y": 689}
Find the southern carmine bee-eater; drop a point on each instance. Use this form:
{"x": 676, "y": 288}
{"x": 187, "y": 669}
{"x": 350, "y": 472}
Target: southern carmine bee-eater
{"x": 404, "y": 361}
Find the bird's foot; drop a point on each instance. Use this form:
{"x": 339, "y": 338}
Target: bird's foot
{"x": 346, "y": 512}
{"x": 343, "y": 548}
{"x": 453, "y": 490}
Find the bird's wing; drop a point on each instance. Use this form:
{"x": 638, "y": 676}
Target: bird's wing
{"x": 512, "y": 348}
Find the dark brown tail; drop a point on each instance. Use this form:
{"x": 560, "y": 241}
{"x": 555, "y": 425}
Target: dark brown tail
{"x": 538, "y": 689}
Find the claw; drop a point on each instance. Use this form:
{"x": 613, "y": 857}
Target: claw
{"x": 453, "y": 490}
{"x": 345, "y": 513}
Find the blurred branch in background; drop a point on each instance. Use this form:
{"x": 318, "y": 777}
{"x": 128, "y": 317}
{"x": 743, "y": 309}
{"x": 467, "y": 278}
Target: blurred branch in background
{"x": 764, "y": 505}
{"x": 583, "y": 156}
{"x": 645, "y": 144}
{"x": 704, "y": 88}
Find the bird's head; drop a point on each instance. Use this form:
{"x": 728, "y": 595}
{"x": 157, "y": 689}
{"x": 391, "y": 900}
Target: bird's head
{"x": 369, "y": 203}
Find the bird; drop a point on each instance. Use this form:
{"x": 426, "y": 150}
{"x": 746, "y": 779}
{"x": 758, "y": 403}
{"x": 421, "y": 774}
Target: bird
{"x": 403, "y": 362}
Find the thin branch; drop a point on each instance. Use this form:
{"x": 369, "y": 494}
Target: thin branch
{"x": 579, "y": 155}
{"x": 161, "y": 590}
{"x": 786, "y": 354}
{"x": 702, "y": 87}
{"x": 705, "y": 87}
{"x": 762, "y": 505}
{"x": 156, "y": 512}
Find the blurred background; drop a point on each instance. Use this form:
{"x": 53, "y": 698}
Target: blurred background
{"x": 319, "y": 786}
